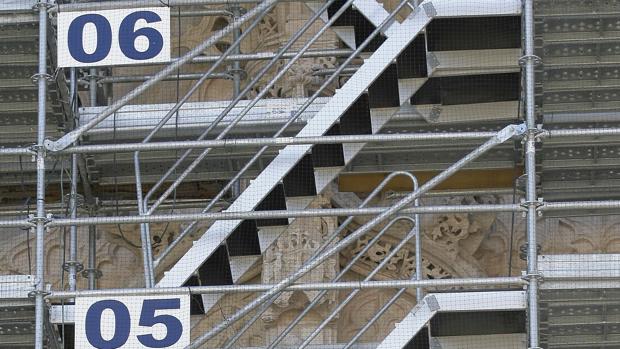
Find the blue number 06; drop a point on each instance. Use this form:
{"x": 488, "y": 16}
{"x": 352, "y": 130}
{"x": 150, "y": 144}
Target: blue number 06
{"x": 127, "y": 36}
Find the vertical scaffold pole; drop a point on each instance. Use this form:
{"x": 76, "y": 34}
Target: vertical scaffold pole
{"x": 41, "y": 78}
{"x": 530, "y": 167}
{"x": 73, "y": 204}
{"x": 92, "y": 229}
{"x": 236, "y": 73}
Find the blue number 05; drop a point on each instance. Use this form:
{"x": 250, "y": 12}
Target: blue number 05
{"x": 127, "y": 36}
{"x": 174, "y": 327}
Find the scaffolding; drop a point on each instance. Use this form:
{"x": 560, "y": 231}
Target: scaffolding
{"x": 307, "y": 124}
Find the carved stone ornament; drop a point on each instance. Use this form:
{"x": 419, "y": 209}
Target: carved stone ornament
{"x": 301, "y": 240}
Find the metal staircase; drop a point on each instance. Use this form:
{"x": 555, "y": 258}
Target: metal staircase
{"x": 298, "y": 173}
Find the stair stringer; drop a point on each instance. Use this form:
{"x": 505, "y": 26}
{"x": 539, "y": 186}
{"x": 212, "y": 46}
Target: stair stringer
{"x": 290, "y": 155}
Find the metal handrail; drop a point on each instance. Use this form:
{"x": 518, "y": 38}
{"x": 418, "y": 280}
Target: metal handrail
{"x": 249, "y": 106}
{"x": 326, "y": 242}
{"x": 290, "y": 121}
{"x": 144, "y": 228}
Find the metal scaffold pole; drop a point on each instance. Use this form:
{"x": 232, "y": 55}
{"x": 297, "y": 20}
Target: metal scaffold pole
{"x": 41, "y": 78}
{"x": 531, "y": 201}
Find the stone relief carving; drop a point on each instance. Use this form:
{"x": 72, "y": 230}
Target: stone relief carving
{"x": 455, "y": 231}
{"x": 357, "y": 313}
{"x": 121, "y": 265}
{"x": 401, "y": 266}
{"x": 298, "y": 243}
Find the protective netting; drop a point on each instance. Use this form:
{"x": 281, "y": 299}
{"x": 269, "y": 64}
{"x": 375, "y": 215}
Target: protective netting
{"x": 263, "y": 73}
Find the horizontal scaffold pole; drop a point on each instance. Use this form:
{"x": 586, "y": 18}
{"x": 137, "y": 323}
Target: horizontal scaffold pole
{"x": 512, "y": 281}
{"x": 326, "y": 212}
{"x": 114, "y": 5}
{"x": 333, "y": 212}
{"x": 284, "y": 141}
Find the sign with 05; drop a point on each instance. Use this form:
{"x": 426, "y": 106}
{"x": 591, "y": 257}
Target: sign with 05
{"x": 114, "y": 37}
{"x": 132, "y": 322}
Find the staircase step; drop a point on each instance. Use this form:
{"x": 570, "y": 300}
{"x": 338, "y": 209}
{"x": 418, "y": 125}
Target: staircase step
{"x": 323, "y": 176}
{"x": 275, "y": 200}
{"x": 240, "y": 264}
{"x": 299, "y": 181}
{"x": 328, "y": 155}
{"x": 268, "y": 235}
{"x": 383, "y": 92}
{"x": 244, "y": 240}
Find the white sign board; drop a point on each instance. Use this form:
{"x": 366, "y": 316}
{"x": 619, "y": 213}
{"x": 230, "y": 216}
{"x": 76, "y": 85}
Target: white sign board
{"x": 132, "y": 322}
{"x": 114, "y": 37}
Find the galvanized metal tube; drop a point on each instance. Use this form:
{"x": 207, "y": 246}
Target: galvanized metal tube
{"x": 275, "y": 141}
{"x": 73, "y": 235}
{"x": 530, "y": 170}
{"x": 16, "y": 223}
{"x": 140, "y": 78}
{"x": 236, "y": 71}
{"x": 145, "y": 236}
{"x": 580, "y": 132}
{"x": 70, "y": 137}
{"x": 200, "y": 13}
{"x": 121, "y": 4}
{"x": 73, "y": 87}
{"x": 41, "y": 216}
{"x": 314, "y": 286}
{"x": 580, "y": 205}
{"x": 256, "y": 99}
{"x": 92, "y": 229}
{"x": 259, "y": 56}
{"x": 502, "y": 136}
{"x": 16, "y": 151}
{"x": 92, "y": 86}
{"x": 419, "y": 275}
{"x": 333, "y": 212}
{"x": 91, "y": 271}
{"x": 375, "y": 271}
